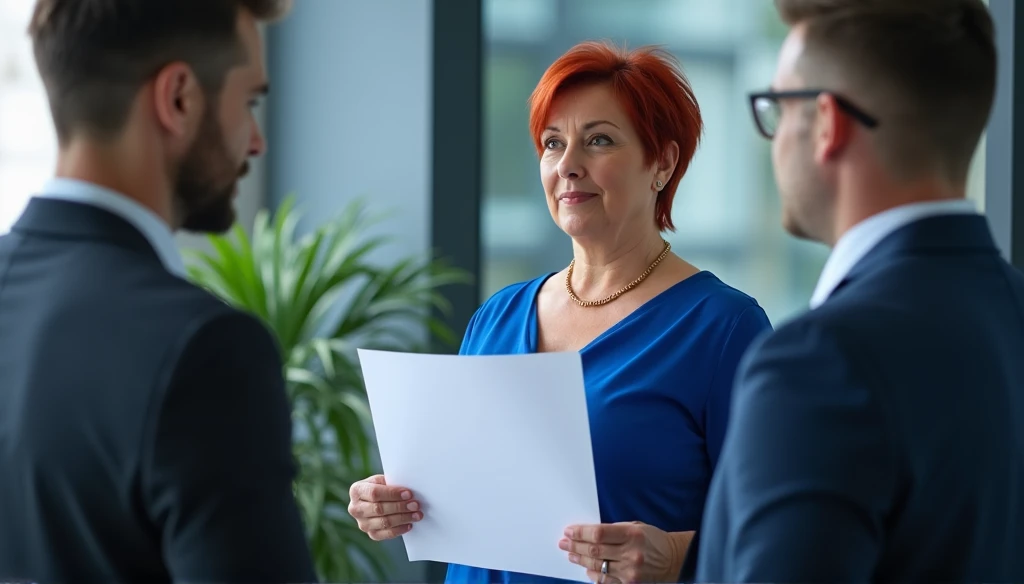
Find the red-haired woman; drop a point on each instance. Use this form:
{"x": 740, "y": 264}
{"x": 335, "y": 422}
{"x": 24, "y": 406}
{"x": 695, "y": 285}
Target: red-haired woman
{"x": 660, "y": 339}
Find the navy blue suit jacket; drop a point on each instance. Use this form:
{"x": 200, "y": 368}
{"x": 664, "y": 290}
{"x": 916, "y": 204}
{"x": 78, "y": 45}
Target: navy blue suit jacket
{"x": 880, "y": 437}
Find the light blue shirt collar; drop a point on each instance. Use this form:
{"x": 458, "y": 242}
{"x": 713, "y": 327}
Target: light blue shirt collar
{"x": 152, "y": 227}
{"x": 864, "y": 236}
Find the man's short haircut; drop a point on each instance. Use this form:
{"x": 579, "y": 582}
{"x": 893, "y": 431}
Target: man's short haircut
{"x": 925, "y": 68}
{"x": 94, "y": 55}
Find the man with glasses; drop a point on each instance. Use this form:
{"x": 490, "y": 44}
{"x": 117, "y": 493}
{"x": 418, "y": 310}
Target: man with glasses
{"x": 880, "y": 436}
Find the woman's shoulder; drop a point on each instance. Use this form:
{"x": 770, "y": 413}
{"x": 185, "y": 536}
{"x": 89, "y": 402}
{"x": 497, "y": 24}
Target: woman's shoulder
{"x": 708, "y": 289}
{"x": 705, "y": 296}
{"x": 512, "y": 301}
{"x": 708, "y": 323}
{"x": 500, "y": 319}
{"x": 515, "y": 297}
{"x": 519, "y": 291}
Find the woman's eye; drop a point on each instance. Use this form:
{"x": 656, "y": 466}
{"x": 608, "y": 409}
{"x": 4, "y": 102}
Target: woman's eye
{"x": 601, "y": 141}
{"x": 551, "y": 143}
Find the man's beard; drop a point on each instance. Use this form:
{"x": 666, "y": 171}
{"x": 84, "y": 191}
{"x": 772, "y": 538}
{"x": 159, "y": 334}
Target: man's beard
{"x": 204, "y": 189}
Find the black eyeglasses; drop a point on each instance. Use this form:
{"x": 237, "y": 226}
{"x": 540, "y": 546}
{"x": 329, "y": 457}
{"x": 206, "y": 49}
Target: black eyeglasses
{"x": 765, "y": 106}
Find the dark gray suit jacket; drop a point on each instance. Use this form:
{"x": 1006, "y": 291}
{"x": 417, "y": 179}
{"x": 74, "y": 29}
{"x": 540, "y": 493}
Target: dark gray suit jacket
{"x": 145, "y": 434}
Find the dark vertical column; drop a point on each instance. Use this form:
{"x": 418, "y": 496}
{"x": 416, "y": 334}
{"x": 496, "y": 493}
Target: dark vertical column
{"x": 457, "y": 151}
{"x": 1004, "y": 149}
{"x": 457, "y": 147}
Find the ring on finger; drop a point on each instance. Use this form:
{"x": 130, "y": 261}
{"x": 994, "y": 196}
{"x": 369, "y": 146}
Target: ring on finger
{"x": 604, "y": 570}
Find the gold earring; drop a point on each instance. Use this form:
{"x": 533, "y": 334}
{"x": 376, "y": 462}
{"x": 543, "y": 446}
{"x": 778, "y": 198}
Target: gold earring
{"x": 659, "y": 184}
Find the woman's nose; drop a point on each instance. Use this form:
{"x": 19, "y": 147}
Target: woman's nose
{"x": 570, "y": 167}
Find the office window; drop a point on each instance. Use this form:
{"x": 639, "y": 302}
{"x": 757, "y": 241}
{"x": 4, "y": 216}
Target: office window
{"x": 726, "y": 210}
{"x": 27, "y": 141}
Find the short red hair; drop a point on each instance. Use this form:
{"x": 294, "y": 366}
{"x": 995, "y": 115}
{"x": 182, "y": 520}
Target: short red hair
{"x": 651, "y": 88}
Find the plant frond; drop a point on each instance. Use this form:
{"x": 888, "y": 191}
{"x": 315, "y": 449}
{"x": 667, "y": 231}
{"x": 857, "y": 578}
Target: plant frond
{"x": 323, "y": 297}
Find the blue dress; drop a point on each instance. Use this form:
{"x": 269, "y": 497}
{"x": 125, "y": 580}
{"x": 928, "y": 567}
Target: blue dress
{"x": 658, "y": 388}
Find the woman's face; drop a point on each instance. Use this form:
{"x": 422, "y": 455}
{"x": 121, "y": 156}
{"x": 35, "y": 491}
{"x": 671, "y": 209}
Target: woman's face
{"x": 592, "y": 167}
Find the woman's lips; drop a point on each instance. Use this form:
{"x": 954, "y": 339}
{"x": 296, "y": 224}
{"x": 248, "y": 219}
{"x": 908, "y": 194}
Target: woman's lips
{"x": 575, "y": 197}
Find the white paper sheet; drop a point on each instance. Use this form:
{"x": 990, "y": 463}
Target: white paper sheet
{"x": 498, "y": 450}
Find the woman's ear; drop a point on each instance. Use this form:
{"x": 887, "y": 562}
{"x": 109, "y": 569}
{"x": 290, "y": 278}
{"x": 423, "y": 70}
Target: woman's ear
{"x": 666, "y": 164}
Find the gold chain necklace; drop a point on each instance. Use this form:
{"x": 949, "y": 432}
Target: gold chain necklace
{"x": 623, "y": 290}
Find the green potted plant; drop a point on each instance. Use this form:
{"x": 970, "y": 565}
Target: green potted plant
{"x": 322, "y": 296}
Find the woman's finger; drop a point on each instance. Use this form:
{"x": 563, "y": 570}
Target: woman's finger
{"x": 607, "y": 533}
{"x": 392, "y": 521}
{"x": 588, "y": 562}
{"x": 593, "y": 550}
{"x": 626, "y": 570}
{"x": 392, "y": 533}
{"x": 365, "y": 510}
{"x": 599, "y": 578}
{"x": 374, "y": 492}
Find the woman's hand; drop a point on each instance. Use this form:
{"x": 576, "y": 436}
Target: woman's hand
{"x": 635, "y": 552}
{"x": 383, "y": 511}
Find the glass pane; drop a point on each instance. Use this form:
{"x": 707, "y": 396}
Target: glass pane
{"x": 726, "y": 211}
{"x": 672, "y": 22}
{"x": 509, "y": 79}
{"x": 522, "y": 20}
{"x": 28, "y": 146}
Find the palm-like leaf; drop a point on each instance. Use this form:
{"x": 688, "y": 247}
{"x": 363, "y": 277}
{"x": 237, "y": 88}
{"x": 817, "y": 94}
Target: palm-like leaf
{"x": 320, "y": 295}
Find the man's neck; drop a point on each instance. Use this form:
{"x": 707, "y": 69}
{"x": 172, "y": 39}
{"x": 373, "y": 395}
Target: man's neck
{"x": 124, "y": 173}
{"x": 865, "y": 201}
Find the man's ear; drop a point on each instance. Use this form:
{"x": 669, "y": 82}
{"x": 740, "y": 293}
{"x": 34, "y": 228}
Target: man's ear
{"x": 178, "y": 100}
{"x": 832, "y": 129}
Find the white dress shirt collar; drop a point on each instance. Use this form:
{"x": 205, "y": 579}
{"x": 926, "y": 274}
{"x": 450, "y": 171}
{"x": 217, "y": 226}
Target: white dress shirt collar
{"x": 864, "y": 236}
{"x": 152, "y": 227}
